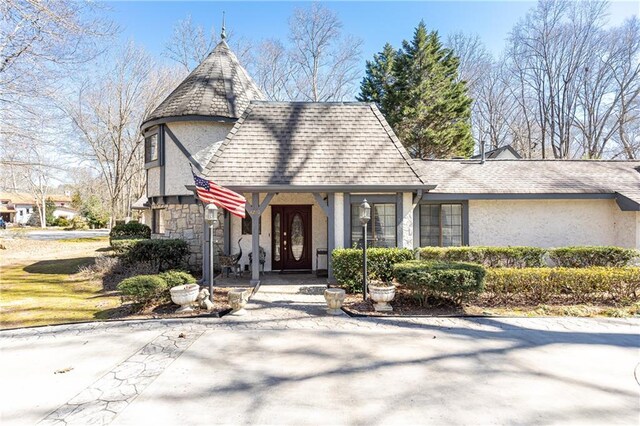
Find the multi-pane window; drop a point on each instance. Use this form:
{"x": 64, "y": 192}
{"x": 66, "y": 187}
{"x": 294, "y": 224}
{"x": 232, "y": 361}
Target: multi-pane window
{"x": 151, "y": 148}
{"x": 381, "y": 229}
{"x": 441, "y": 225}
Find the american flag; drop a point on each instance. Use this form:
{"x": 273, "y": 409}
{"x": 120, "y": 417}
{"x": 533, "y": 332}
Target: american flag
{"x": 209, "y": 192}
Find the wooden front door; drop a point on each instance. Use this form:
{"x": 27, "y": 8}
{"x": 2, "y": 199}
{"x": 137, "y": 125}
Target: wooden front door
{"x": 291, "y": 237}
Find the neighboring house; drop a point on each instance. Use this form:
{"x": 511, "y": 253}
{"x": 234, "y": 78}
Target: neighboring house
{"x": 17, "y": 207}
{"x": 505, "y": 152}
{"x": 306, "y": 167}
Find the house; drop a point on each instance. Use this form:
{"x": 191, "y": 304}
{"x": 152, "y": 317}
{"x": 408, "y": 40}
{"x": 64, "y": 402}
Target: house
{"x": 505, "y": 152}
{"x": 306, "y": 167}
{"x": 17, "y": 207}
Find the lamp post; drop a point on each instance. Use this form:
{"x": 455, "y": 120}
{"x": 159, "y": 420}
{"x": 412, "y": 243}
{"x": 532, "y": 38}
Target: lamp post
{"x": 211, "y": 218}
{"x": 365, "y": 215}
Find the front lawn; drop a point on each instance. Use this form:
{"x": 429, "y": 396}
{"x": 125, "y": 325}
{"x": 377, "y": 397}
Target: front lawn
{"x": 50, "y": 292}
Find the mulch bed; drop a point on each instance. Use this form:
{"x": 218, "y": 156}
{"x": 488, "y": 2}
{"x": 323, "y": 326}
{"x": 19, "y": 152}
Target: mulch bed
{"x": 168, "y": 310}
{"x": 405, "y": 304}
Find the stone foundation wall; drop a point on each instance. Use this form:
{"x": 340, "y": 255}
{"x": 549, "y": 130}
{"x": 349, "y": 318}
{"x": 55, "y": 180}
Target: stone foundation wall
{"x": 186, "y": 222}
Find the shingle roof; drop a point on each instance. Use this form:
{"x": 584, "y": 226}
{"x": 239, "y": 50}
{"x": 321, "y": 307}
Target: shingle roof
{"x": 534, "y": 177}
{"x": 298, "y": 143}
{"x": 218, "y": 87}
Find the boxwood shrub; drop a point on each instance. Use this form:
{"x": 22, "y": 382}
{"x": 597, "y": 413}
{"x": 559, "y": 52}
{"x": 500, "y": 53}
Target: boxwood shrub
{"x": 130, "y": 231}
{"x": 123, "y": 246}
{"x": 164, "y": 254}
{"x": 174, "y": 278}
{"x": 347, "y": 265}
{"x": 456, "y": 281}
{"x": 585, "y": 256}
{"x": 144, "y": 289}
{"x": 563, "y": 285}
{"x": 491, "y": 257}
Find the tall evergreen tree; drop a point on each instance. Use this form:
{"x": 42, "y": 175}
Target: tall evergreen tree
{"x": 421, "y": 98}
{"x": 379, "y": 79}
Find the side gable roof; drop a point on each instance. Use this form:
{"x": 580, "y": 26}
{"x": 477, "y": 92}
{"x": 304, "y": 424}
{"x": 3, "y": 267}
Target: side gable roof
{"x": 503, "y": 177}
{"x": 301, "y": 144}
{"x": 219, "y": 87}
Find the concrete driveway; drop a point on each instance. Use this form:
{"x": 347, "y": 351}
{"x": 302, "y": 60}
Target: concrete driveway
{"x": 286, "y": 362}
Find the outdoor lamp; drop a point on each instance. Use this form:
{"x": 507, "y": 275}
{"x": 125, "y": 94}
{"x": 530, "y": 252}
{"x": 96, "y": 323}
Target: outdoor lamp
{"x": 365, "y": 212}
{"x": 211, "y": 217}
{"x": 211, "y": 214}
{"x": 365, "y": 215}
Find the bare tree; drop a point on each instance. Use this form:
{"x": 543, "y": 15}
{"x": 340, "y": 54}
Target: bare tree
{"x": 109, "y": 125}
{"x": 273, "y": 70}
{"x": 325, "y": 63}
{"x": 190, "y": 44}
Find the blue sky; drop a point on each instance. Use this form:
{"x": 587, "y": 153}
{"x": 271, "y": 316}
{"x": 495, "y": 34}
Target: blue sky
{"x": 150, "y": 23}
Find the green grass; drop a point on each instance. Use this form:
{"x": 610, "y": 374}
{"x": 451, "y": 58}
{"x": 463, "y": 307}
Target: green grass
{"x": 85, "y": 239}
{"x": 51, "y": 292}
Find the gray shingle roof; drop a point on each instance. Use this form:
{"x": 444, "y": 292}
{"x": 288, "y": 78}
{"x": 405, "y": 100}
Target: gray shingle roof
{"x": 298, "y": 143}
{"x": 534, "y": 177}
{"x": 218, "y": 87}
{"x": 494, "y": 153}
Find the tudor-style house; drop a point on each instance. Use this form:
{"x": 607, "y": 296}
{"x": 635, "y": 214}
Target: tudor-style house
{"x": 305, "y": 168}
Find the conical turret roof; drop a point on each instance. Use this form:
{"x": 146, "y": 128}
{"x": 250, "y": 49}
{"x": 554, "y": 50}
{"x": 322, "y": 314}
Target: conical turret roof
{"x": 219, "y": 87}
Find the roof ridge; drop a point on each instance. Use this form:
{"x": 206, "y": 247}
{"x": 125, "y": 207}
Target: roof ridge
{"x": 405, "y": 155}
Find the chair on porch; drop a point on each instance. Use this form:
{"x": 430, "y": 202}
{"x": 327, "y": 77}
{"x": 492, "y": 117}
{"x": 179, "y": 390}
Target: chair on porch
{"x": 231, "y": 262}
{"x": 262, "y": 258}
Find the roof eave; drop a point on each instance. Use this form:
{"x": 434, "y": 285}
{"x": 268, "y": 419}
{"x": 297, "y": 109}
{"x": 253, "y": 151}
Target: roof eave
{"x": 177, "y": 118}
{"x": 324, "y": 188}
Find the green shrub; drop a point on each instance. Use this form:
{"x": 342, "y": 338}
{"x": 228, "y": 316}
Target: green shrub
{"x": 491, "y": 257}
{"x": 347, "y": 265}
{"x": 585, "y": 256}
{"x": 563, "y": 285}
{"x": 78, "y": 224}
{"x": 61, "y": 221}
{"x": 164, "y": 254}
{"x": 451, "y": 280}
{"x": 174, "y": 278}
{"x": 144, "y": 289}
{"x": 122, "y": 247}
{"x": 130, "y": 231}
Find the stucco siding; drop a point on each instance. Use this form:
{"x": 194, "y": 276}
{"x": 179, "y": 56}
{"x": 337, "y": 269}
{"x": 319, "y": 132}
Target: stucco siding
{"x": 407, "y": 220}
{"x": 318, "y": 228}
{"x": 153, "y": 182}
{"x": 550, "y": 223}
{"x": 194, "y": 136}
{"x": 339, "y": 220}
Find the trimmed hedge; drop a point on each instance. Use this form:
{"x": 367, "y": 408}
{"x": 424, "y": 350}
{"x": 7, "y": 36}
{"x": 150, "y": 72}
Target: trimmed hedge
{"x": 123, "y": 246}
{"x": 130, "y": 231}
{"x": 563, "y": 285}
{"x": 144, "y": 289}
{"x": 164, "y": 254}
{"x": 586, "y": 256}
{"x": 456, "y": 281}
{"x": 491, "y": 257}
{"x": 347, "y": 265}
{"x": 174, "y": 278}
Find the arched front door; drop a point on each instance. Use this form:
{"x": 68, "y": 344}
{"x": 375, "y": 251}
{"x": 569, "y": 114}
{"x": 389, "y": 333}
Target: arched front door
{"x": 291, "y": 237}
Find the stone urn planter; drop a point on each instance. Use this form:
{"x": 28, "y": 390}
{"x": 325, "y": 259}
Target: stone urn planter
{"x": 335, "y": 299}
{"x": 381, "y": 294}
{"x": 184, "y": 295}
{"x": 238, "y": 298}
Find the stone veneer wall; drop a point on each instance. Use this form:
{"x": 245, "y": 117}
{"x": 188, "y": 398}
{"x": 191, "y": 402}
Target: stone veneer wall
{"x": 186, "y": 222}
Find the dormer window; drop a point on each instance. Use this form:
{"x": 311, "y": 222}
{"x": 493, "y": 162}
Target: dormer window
{"x": 151, "y": 148}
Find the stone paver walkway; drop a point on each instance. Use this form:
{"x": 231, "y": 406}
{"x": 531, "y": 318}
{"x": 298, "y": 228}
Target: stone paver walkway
{"x": 312, "y": 368}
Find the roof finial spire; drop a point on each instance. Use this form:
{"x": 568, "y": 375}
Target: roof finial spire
{"x": 223, "y": 35}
